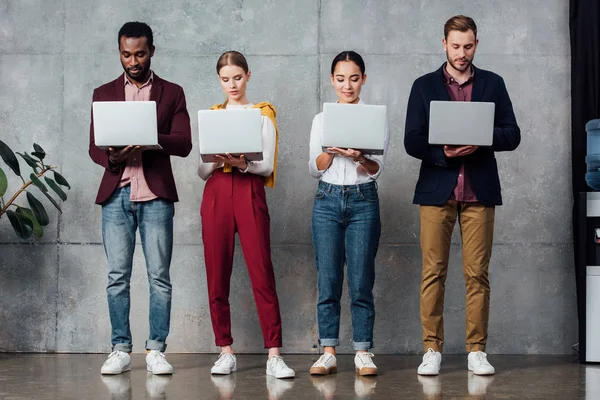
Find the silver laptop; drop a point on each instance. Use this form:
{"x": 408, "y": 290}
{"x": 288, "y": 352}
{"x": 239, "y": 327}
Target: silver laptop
{"x": 124, "y": 123}
{"x": 237, "y": 132}
{"x": 461, "y": 123}
{"x": 354, "y": 126}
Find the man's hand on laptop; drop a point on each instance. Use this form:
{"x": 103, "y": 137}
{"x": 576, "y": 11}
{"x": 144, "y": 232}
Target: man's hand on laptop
{"x": 238, "y": 162}
{"x": 459, "y": 151}
{"x": 117, "y": 156}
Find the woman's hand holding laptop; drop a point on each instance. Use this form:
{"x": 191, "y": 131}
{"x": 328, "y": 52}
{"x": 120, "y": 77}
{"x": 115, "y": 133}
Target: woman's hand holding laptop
{"x": 350, "y": 153}
{"x": 238, "y": 162}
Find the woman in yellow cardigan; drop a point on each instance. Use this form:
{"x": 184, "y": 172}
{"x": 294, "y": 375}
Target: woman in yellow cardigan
{"x": 234, "y": 200}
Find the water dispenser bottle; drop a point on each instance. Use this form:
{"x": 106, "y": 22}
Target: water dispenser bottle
{"x": 592, "y": 177}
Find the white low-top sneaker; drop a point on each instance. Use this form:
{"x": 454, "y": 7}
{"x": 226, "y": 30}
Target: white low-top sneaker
{"x": 276, "y": 367}
{"x": 431, "y": 363}
{"x": 364, "y": 364}
{"x": 117, "y": 362}
{"x": 325, "y": 365}
{"x": 479, "y": 364}
{"x": 157, "y": 363}
{"x": 225, "y": 364}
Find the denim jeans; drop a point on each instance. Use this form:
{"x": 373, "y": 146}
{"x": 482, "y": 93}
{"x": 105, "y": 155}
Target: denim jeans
{"x": 346, "y": 228}
{"x": 120, "y": 219}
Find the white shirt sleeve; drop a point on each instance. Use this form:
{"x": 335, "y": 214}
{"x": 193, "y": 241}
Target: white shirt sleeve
{"x": 316, "y": 135}
{"x": 269, "y": 137}
{"x": 380, "y": 159}
{"x": 205, "y": 170}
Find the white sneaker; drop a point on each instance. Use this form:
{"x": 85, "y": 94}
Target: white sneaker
{"x": 431, "y": 363}
{"x": 276, "y": 387}
{"x": 225, "y": 364}
{"x": 479, "y": 364}
{"x": 117, "y": 362}
{"x": 364, "y": 364}
{"x": 276, "y": 367}
{"x": 157, "y": 363}
{"x": 325, "y": 365}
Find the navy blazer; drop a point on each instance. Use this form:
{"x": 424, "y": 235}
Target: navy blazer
{"x": 438, "y": 174}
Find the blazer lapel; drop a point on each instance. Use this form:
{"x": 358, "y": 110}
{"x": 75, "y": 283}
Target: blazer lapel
{"x": 478, "y": 85}
{"x": 119, "y": 88}
{"x": 441, "y": 93}
{"x": 157, "y": 90}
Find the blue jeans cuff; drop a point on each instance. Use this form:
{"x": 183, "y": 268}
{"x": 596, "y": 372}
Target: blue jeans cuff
{"x": 155, "y": 345}
{"x": 126, "y": 347}
{"x": 363, "y": 346}
{"x": 329, "y": 342}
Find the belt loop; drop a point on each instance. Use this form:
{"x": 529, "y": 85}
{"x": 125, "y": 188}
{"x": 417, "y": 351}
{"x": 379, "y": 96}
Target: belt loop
{"x": 376, "y": 185}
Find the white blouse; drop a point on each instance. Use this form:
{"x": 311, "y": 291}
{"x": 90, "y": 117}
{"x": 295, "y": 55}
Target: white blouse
{"x": 263, "y": 167}
{"x": 343, "y": 170}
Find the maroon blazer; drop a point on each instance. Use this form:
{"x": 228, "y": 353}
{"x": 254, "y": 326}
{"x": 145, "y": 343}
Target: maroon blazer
{"x": 174, "y": 135}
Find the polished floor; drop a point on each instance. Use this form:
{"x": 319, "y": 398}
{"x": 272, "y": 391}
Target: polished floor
{"x": 77, "y": 376}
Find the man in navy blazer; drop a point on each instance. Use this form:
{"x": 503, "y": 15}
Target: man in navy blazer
{"x": 457, "y": 182}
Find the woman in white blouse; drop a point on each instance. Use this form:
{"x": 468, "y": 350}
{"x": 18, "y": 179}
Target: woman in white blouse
{"x": 234, "y": 200}
{"x": 345, "y": 227}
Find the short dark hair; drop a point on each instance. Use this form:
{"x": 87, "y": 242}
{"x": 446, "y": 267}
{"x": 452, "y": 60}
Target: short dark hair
{"x": 136, "y": 30}
{"x": 349, "y": 55}
{"x": 460, "y": 23}
{"x": 232, "y": 57}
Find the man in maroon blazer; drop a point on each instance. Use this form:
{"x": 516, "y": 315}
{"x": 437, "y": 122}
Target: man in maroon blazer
{"x": 138, "y": 190}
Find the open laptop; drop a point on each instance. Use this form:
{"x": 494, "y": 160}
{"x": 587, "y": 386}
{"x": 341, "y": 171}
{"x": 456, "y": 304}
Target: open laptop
{"x": 124, "y": 123}
{"x": 354, "y": 126}
{"x": 236, "y": 132}
{"x": 461, "y": 123}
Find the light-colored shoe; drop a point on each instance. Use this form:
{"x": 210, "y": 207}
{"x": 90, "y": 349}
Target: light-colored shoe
{"x": 364, "y": 386}
{"x": 364, "y": 364}
{"x": 325, "y": 365}
{"x": 225, "y": 384}
{"x": 479, "y": 364}
{"x": 156, "y": 385}
{"x": 478, "y": 385}
{"x": 276, "y": 387}
{"x": 157, "y": 363}
{"x": 117, "y": 362}
{"x": 432, "y": 361}
{"x": 225, "y": 364}
{"x": 277, "y": 367}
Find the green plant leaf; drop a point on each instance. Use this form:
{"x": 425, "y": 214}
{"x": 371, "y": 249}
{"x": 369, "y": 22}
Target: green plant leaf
{"x": 52, "y": 201}
{"x": 38, "y": 231}
{"x": 29, "y": 160}
{"x": 9, "y": 158}
{"x": 38, "y": 149}
{"x": 61, "y": 180}
{"x": 38, "y": 209}
{"x": 22, "y": 226}
{"x": 56, "y": 188}
{"x": 3, "y": 182}
{"x": 35, "y": 180}
{"x": 39, "y": 155}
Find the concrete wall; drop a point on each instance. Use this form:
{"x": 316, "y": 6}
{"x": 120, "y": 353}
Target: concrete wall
{"x": 54, "y": 52}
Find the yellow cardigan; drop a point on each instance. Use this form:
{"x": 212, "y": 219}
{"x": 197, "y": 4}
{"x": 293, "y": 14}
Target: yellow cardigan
{"x": 267, "y": 110}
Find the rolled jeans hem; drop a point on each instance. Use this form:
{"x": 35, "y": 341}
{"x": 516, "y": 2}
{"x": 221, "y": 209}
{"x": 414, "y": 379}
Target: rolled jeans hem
{"x": 126, "y": 347}
{"x": 329, "y": 342}
{"x": 360, "y": 346}
{"x": 155, "y": 345}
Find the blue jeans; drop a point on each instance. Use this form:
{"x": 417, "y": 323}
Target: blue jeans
{"x": 346, "y": 228}
{"x": 120, "y": 219}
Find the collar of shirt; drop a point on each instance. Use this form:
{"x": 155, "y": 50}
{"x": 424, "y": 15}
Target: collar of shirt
{"x": 449, "y": 79}
{"x": 148, "y": 82}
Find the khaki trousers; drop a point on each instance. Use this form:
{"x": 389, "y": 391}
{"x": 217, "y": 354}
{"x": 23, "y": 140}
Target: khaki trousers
{"x": 477, "y": 230}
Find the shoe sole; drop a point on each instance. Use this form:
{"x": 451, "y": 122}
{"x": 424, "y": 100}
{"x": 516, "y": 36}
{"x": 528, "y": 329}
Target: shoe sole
{"x": 323, "y": 371}
{"x": 223, "y": 373}
{"x": 428, "y": 373}
{"x": 479, "y": 374}
{"x": 281, "y": 376}
{"x": 366, "y": 371}
{"x": 160, "y": 373}
{"x": 116, "y": 373}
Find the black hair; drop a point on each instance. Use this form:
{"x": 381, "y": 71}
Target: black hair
{"x": 136, "y": 30}
{"x": 349, "y": 55}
